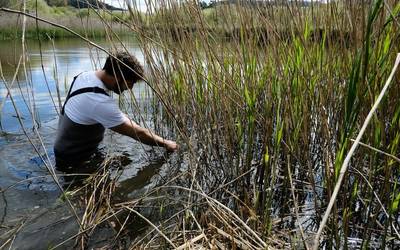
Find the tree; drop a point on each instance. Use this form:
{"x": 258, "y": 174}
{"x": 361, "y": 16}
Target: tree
{"x": 57, "y": 3}
{"x": 203, "y": 5}
{"x": 4, "y": 3}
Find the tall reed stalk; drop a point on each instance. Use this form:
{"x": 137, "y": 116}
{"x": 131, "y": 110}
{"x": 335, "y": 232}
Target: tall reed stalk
{"x": 257, "y": 85}
{"x": 265, "y": 100}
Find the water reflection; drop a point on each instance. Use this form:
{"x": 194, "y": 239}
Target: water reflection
{"x": 49, "y": 68}
{"x": 23, "y": 175}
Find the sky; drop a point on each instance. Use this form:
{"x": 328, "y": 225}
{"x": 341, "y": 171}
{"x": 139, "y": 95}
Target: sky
{"x": 143, "y": 7}
{"x": 121, "y": 3}
{"x": 141, "y": 4}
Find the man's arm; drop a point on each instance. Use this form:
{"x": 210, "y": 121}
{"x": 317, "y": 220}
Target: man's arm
{"x": 133, "y": 130}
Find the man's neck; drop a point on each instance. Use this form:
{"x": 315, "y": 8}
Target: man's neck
{"x": 107, "y": 80}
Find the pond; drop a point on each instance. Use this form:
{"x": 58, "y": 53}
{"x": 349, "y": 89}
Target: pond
{"x": 32, "y": 214}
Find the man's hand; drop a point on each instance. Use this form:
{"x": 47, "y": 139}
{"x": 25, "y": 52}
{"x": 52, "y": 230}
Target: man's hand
{"x": 133, "y": 130}
{"x": 171, "y": 146}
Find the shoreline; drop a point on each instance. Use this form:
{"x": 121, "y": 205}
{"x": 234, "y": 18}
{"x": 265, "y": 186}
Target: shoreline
{"x": 85, "y": 22}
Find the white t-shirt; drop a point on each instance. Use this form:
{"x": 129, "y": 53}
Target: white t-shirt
{"x": 91, "y": 108}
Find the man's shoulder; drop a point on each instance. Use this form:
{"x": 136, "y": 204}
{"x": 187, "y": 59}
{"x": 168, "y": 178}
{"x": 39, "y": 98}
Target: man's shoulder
{"x": 87, "y": 79}
{"x": 86, "y": 76}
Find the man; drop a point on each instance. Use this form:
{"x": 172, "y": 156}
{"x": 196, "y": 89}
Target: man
{"x": 89, "y": 109}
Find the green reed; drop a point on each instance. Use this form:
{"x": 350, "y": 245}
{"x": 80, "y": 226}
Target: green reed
{"x": 254, "y": 87}
{"x": 265, "y": 101}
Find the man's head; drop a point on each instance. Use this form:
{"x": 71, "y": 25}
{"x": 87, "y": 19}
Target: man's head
{"x": 125, "y": 69}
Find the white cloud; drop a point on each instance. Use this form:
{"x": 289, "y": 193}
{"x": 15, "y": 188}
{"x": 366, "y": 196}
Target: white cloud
{"x": 140, "y": 4}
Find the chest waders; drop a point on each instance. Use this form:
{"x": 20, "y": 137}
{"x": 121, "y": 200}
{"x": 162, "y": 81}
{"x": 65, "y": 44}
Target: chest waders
{"x": 77, "y": 142}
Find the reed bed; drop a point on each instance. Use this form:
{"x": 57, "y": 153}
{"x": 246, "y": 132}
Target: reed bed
{"x": 266, "y": 101}
{"x": 277, "y": 102}
{"x": 87, "y": 22}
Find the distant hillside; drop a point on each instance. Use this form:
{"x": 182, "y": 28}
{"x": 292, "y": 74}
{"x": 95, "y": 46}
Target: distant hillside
{"x": 58, "y": 3}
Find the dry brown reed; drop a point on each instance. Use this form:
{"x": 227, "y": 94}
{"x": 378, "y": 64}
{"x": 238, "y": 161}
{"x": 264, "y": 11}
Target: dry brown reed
{"x": 265, "y": 100}
{"x": 264, "y": 87}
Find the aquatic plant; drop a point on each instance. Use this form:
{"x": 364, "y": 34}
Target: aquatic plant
{"x": 266, "y": 100}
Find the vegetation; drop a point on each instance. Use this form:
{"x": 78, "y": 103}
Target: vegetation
{"x": 266, "y": 101}
{"x": 89, "y": 21}
{"x": 274, "y": 108}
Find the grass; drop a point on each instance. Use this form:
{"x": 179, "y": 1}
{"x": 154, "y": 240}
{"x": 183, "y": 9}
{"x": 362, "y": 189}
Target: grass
{"x": 265, "y": 119}
{"x": 86, "y": 22}
{"x": 285, "y": 108}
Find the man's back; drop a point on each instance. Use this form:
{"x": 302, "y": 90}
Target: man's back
{"x": 91, "y": 108}
{"x": 87, "y": 111}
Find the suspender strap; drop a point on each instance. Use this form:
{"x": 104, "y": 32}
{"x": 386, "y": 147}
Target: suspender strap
{"x": 96, "y": 90}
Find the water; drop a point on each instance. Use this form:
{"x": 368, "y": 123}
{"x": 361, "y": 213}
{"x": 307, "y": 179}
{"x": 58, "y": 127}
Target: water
{"x": 61, "y": 63}
{"x": 30, "y": 205}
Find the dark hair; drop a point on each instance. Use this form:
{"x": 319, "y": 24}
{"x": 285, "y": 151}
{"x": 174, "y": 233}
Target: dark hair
{"x": 115, "y": 68}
